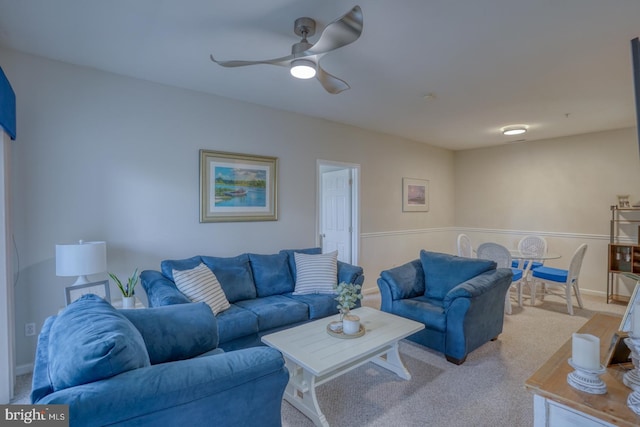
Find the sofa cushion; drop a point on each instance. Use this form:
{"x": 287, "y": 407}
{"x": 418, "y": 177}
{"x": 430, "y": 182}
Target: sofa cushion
{"x": 316, "y": 274}
{"x": 234, "y": 275}
{"x": 199, "y": 284}
{"x": 292, "y": 258}
{"x": 167, "y": 266}
{"x": 271, "y": 274}
{"x": 90, "y": 341}
{"x": 319, "y": 305}
{"x": 443, "y": 272}
{"x": 275, "y": 311}
{"x": 236, "y": 322}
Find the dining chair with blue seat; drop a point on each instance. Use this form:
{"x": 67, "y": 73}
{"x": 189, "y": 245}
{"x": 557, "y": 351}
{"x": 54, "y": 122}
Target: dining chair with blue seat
{"x": 535, "y": 245}
{"x": 563, "y": 278}
{"x": 502, "y": 257}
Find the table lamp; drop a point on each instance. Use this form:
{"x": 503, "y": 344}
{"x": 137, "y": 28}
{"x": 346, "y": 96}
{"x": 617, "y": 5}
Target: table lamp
{"x": 81, "y": 259}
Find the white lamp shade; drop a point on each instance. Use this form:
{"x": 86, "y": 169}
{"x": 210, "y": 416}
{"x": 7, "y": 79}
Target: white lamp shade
{"x": 81, "y": 259}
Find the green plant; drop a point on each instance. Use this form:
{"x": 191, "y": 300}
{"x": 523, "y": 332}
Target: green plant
{"x": 348, "y": 296}
{"x": 127, "y": 290}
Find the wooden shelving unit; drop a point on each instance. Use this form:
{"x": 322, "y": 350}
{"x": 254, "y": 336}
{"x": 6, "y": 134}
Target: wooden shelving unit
{"x": 623, "y": 258}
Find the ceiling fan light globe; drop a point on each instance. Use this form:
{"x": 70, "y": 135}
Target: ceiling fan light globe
{"x": 514, "y": 130}
{"x": 303, "y": 69}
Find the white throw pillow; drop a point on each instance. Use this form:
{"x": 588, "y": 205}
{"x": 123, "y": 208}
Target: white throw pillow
{"x": 316, "y": 274}
{"x": 200, "y": 284}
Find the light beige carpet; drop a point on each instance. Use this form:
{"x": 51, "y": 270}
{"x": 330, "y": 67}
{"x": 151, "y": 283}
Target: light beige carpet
{"x": 487, "y": 390}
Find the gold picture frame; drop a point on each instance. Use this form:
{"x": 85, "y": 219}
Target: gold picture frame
{"x": 238, "y": 187}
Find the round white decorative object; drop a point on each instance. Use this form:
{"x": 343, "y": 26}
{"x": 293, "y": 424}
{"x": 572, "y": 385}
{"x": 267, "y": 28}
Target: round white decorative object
{"x": 587, "y": 380}
{"x": 128, "y": 302}
{"x": 350, "y": 324}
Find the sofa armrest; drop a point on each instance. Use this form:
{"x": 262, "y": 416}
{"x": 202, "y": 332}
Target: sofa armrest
{"x": 175, "y": 332}
{"x": 235, "y": 388}
{"x": 160, "y": 290}
{"x": 402, "y": 282}
{"x": 479, "y": 285}
{"x": 350, "y": 273}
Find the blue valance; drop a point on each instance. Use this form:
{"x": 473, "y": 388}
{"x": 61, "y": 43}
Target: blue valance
{"x": 7, "y": 106}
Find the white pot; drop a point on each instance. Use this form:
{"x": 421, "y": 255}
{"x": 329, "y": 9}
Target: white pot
{"x": 128, "y": 302}
{"x": 350, "y": 324}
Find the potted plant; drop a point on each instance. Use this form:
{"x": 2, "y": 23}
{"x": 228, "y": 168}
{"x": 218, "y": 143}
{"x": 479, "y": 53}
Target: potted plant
{"x": 128, "y": 290}
{"x": 348, "y": 296}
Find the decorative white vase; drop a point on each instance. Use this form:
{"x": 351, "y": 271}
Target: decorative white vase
{"x": 350, "y": 324}
{"x": 128, "y": 302}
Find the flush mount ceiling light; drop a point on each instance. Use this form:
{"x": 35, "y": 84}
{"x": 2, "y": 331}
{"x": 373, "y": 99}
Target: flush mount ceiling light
{"x": 514, "y": 130}
{"x": 303, "y": 69}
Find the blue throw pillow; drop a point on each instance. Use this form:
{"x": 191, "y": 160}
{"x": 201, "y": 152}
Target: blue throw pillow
{"x": 443, "y": 272}
{"x": 271, "y": 274}
{"x": 234, "y": 275}
{"x": 90, "y": 341}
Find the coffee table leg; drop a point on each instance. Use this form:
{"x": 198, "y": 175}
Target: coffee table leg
{"x": 391, "y": 361}
{"x": 301, "y": 393}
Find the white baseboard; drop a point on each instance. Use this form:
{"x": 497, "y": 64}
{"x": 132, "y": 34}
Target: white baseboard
{"x": 24, "y": 369}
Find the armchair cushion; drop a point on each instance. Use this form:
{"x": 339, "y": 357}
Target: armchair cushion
{"x": 91, "y": 341}
{"x": 444, "y": 272}
{"x": 271, "y": 274}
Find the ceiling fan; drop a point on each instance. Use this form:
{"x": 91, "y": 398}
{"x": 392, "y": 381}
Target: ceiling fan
{"x": 304, "y": 61}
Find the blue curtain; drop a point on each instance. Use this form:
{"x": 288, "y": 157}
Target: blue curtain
{"x": 7, "y": 106}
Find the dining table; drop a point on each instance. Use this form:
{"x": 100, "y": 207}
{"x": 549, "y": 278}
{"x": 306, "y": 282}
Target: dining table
{"x": 525, "y": 260}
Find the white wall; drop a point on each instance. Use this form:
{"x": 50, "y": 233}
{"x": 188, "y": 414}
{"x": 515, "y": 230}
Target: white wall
{"x": 560, "y": 188}
{"x": 105, "y": 157}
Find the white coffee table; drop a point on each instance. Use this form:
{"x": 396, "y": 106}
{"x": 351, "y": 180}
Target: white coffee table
{"x": 314, "y": 357}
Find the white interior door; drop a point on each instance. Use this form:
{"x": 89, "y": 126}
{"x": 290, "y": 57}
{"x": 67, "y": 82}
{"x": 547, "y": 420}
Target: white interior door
{"x": 335, "y": 213}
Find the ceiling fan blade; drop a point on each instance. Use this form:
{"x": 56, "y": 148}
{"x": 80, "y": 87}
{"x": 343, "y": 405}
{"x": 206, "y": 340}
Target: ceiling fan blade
{"x": 339, "y": 33}
{"x": 284, "y": 61}
{"x": 330, "y": 83}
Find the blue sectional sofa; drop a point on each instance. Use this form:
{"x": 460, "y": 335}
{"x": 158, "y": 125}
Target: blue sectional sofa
{"x": 259, "y": 288}
{"x": 153, "y": 367}
{"x": 459, "y": 300}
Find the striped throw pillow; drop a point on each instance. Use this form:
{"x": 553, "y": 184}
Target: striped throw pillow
{"x": 200, "y": 284}
{"x": 316, "y": 274}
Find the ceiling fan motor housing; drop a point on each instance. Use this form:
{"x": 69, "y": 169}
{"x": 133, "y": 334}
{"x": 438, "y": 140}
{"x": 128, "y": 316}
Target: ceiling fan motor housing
{"x": 304, "y": 27}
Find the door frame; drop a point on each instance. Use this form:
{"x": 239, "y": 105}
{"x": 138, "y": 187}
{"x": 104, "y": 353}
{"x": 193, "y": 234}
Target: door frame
{"x": 321, "y": 166}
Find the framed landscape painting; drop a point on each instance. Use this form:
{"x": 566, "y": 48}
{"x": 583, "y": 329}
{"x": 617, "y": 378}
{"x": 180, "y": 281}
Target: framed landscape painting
{"x": 238, "y": 187}
{"x": 415, "y": 195}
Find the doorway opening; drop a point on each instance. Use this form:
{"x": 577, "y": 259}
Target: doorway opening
{"x": 338, "y": 215}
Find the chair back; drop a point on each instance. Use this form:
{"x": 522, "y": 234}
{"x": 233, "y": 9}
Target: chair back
{"x": 495, "y": 252}
{"x": 465, "y": 249}
{"x": 576, "y": 264}
{"x": 533, "y": 245}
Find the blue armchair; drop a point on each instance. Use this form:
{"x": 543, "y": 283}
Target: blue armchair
{"x": 157, "y": 366}
{"x": 459, "y": 300}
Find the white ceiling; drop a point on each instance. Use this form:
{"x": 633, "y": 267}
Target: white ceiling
{"x": 563, "y": 67}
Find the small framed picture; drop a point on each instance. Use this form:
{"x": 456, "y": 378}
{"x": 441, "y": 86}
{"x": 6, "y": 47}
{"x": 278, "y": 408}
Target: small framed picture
{"x": 415, "y": 195}
{"x": 100, "y": 288}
